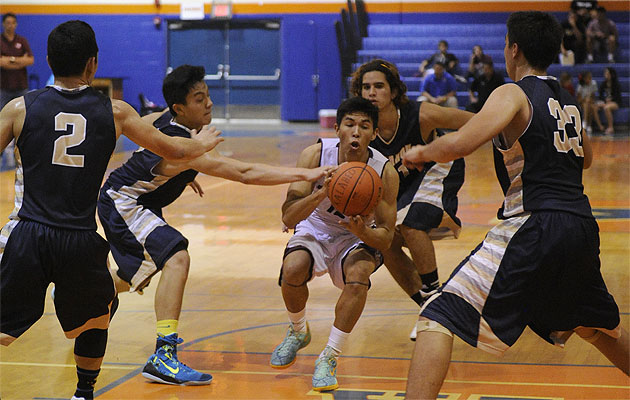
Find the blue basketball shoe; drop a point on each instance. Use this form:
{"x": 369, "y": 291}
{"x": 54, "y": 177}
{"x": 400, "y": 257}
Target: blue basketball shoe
{"x": 164, "y": 367}
{"x": 325, "y": 375}
{"x": 283, "y": 355}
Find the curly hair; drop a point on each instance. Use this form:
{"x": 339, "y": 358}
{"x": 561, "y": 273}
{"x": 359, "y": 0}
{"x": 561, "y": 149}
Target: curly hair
{"x": 391, "y": 73}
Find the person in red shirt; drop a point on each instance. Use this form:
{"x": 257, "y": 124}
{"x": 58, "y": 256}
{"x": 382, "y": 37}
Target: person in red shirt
{"x": 15, "y": 56}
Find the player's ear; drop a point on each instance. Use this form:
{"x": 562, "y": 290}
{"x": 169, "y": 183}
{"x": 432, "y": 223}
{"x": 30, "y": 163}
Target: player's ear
{"x": 178, "y": 108}
{"x": 336, "y": 129}
{"x": 374, "y": 133}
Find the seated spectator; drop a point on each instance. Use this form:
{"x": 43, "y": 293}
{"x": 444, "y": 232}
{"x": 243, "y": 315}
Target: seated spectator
{"x": 447, "y": 59}
{"x": 585, "y": 10}
{"x": 439, "y": 87}
{"x": 483, "y": 86}
{"x": 601, "y": 35}
{"x": 586, "y": 91}
{"x": 609, "y": 98}
{"x": 574, "y": 38}
{"x": 566, "y": 82}
{"x": 475, "y": 64}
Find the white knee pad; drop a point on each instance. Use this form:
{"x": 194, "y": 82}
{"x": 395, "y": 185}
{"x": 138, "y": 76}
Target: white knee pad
{"x": 431, "y": 326}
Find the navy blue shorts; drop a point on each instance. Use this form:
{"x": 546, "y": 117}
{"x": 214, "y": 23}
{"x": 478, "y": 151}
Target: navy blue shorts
{"x": 540, "y": 270}
{"x": 424, "y": 206}
{"x": 33, "y": 255}
{"x": 140, "y": 239}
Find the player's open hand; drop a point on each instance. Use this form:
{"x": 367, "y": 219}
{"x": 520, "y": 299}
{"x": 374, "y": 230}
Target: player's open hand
{"x": 196, "y": 187}
{"x": 208, "y": 137}
{"x": 413, "y": 158}
{"x": 355, "y": 224}
{"x": 316, "y": 173}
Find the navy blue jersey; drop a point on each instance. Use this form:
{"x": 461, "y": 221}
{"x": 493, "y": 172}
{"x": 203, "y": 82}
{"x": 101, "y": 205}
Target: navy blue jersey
{"x": 136, "y": 178}
{"x": 63, "y": 150}
{"x": 543, "y": 169}
{"x": 407, "y": 135}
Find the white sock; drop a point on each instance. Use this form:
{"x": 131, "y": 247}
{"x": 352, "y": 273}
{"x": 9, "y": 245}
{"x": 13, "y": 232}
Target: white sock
{"x": 336, "y": 340}
{"x": 298, "y": 320}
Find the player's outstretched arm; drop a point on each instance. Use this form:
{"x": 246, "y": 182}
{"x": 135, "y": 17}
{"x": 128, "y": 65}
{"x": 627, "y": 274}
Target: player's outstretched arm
{"x": 502, "y": 107}
{"x": 129, "y": 123}
{"x": 212, "y": 163}
{"x": 380, "y": 237}
{"x": 11, "y": 121}
{"x": 433, "y": 116}
{"x": 301, "y": 200}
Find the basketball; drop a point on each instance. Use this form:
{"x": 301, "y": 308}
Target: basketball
{"x": 355, "y": 189}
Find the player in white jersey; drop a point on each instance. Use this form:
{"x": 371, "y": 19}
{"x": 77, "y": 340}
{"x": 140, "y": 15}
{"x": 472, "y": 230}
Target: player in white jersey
{"x": 348, "y": 248}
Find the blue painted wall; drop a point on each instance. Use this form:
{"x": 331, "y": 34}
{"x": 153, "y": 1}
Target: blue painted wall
{"x": 131, "y": 47}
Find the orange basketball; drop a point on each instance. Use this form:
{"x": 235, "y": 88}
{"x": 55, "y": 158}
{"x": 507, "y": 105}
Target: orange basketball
{"x": 355, "y": 189}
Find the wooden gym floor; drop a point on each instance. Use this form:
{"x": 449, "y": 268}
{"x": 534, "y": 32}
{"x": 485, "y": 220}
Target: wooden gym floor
{"x": 233, "y": 313}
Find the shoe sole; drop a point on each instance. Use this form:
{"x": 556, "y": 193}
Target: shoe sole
{"x": 283, "y": 366}
{"x": 326, "y": 388}
{"x": 189, "y": 383}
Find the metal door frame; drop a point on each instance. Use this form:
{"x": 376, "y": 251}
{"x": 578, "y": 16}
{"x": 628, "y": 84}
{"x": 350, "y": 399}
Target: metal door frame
{"x": 223, "y": 70}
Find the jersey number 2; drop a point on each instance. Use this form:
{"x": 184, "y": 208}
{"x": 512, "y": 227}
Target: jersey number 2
{"x": 567, "y": 115}
{"x": 63, "y": 143}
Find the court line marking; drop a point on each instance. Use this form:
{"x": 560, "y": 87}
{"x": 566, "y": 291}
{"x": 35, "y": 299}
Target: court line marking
{"x": 366, "y": 377}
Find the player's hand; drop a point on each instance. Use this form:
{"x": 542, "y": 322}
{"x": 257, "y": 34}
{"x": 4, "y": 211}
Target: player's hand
{"x": 196, "y": 187}
{"x": 414, "y": 159}
{"x": 208, "y": 137}
{"x": 354, "y": 224}
{"x": 315, "y": 173}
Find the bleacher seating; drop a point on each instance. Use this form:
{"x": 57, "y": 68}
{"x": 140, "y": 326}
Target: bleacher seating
{"x": 407, "y": 45}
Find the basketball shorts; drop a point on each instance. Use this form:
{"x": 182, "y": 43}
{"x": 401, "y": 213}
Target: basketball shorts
{"x": 141, "y": 241}
{"x": 432, "y": 207}
{"x": 33, "y": 255}
{"x": 540, "y": 270}
{"x": 329, "y": 256}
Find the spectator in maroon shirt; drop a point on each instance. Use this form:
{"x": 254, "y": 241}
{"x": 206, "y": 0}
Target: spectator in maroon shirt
{"x": 15, "y": 56}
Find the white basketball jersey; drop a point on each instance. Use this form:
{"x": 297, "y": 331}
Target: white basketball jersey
{"x": 323, "y": 223}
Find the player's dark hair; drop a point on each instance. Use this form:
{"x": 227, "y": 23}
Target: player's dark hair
{"x": 358, "y": 105}
{"x": 70, "y": 46}
{"x": 178, "y": 83}
{"x": 538, "y": 35}
{"x": 7, "y": 15}
{"x": 392, "y": 75}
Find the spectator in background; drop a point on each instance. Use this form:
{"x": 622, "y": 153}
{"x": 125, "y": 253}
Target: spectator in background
{"x": 15, "y": 56}
{"x": 574, "y": 38}
{"x": 566, "y": 82}
{"x": 448, "y": 60}
{"x": 475, "y": 64}
{"x": 609, "y": 98}
{"x": 601, "y": 35}
{"x": 586, "y": 91}
{"x": 439, "y": 87}
{"x": 585, "y": 9}
{"x": 483, "y": 86}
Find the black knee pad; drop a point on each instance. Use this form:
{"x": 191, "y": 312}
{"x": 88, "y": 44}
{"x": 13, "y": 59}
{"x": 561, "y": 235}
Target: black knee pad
{"x": 91, "y": 343}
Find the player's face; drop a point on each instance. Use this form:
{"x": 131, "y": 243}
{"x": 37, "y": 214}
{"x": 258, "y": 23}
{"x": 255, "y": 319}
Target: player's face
{"x": 376, "y": 89}
{"x": 197, "y": 111}
{"x": 355, "y": 134}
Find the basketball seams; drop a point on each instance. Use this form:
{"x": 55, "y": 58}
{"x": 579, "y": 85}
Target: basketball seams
{"x": 356, "y": 182}
{"x": 355, "y": 189}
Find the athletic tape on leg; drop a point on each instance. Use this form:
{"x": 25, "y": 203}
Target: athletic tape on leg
{"x": 431, "y": 326}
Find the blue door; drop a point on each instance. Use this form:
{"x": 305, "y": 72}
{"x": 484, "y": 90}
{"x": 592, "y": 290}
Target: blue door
{"x": 242, "y": 62}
